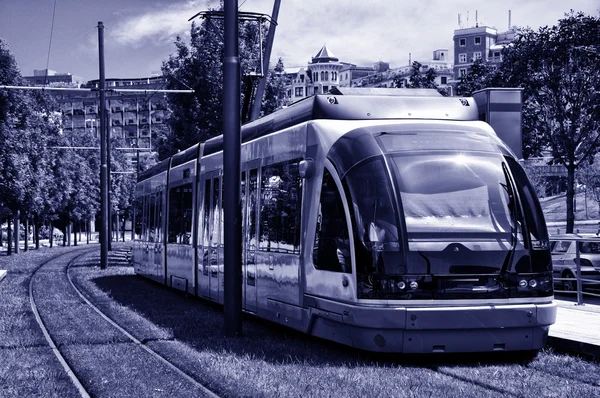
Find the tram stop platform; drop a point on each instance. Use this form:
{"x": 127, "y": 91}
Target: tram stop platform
{"x": 577, "y": 328}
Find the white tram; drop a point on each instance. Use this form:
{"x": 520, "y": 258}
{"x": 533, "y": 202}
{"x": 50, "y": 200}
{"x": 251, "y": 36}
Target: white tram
{"x": 388, "y": 223}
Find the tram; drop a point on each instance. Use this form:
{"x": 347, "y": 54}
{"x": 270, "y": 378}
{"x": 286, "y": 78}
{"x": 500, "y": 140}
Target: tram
{"x": 389, "y": 223}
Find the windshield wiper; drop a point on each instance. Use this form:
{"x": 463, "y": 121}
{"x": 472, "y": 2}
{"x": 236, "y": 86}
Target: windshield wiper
{"x": 512, "y": 197}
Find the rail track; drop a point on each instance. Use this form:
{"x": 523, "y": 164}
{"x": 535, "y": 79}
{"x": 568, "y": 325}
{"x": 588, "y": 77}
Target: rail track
{"x": 59, "y": 341}
{"x": 56, "y": 281}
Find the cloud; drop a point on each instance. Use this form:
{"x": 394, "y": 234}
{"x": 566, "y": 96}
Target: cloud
{"x": 157, "y": 26}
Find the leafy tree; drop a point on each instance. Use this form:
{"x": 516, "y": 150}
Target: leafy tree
{"x": 477, "y": 77}
{"x": 420, "y": 80}
{"x": 557, "y": 67}
{"x": 275, "y": 97}
{"x": 199, "y": 65}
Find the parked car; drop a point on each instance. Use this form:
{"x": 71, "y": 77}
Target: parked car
{"x": 564, "y": 263}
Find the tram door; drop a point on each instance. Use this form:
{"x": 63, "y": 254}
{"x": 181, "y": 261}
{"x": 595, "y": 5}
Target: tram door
{"x": 249, "y": 194}
{"x": 212, "y": 243}
{"x": 159, "y": 258}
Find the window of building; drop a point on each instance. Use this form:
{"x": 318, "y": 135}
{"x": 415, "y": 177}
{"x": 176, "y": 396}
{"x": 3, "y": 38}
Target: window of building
{"x": 496, "y": 53}
{"x": 326, "y": 76}
{"x": 462, "y": 72}
{"x": 331, "y": 251}
{"x": 299, "y": 92}
{"x": 325, "y": 89}
{"x": 302, "y": 78}
{"x": 462, "y": 42}
{"x": 462, "y": 58}
{"x": 477, "y": 40}
{"x": 322, "y": 75}
{"x": 280, "y": 205}
{"x": 317, "y": 76}
{"x": 476, "y": 55}
{"x": 316, "y": 90}
{"x": 444, "y": 80}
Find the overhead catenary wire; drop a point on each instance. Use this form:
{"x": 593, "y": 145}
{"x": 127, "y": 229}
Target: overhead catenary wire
{"x": 50, "y": 44}
{"x": 132, "y": 90}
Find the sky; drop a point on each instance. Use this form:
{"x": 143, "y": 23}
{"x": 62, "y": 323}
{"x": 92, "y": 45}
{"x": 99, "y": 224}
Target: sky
{"x": 139, "y": 34}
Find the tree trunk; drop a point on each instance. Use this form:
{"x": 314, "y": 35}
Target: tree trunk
{"x": 36, "y": 229}
{"x": 17, "y": 224}
{"x": 70, "y": 229}
{"x": 1, "y": 234}
{"x": 75, "y": 234}
{"x": 87, "y": 231}
{"x": 51, "y": 234}
{"x": 26, "y": 247}
{"x": 570, "y": 198}
{"x": 8, "y": 237}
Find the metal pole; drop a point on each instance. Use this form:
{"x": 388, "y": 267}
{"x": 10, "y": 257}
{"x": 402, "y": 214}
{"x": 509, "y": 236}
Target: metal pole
{"x": 109, "y": 207}
{"x": 260, "y": 90}
{"x": 103, "y": 156}
{"x": 231, "y": 173}
{"x": 578, "y": 263}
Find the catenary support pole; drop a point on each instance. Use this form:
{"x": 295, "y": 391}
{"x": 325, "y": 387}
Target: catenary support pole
{"x": 103, "y": 156}
{"x": 263, "y": 80}
{"x": 231, "y": 173}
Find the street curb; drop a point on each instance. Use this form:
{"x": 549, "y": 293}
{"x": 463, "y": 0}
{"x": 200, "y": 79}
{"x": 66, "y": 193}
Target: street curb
{"x": 572, "y": 346}
{"x": 3, "y": 273}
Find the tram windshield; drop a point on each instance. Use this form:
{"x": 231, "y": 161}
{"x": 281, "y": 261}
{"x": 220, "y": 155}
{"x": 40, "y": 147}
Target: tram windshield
{"x": 441, "y": 204}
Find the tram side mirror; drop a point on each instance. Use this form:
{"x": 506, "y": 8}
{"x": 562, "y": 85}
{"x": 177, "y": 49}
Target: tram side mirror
{"x": 306, "y": 168}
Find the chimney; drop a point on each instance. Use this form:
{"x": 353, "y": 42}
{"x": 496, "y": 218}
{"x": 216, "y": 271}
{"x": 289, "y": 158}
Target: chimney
{"x": 476, "y": 19}
{"x": 509, "y": 20}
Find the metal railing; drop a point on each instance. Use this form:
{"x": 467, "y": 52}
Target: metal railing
{"x": 578, "y": 277}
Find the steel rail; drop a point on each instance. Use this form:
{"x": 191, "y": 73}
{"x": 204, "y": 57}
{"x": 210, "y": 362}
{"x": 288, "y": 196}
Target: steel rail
{"x": 80, "y": 388}
{"x": 138, "y": 342}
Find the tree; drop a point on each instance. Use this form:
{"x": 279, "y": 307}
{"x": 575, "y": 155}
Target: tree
{"x": 477, "y": 77}
{"x": 199, "y": 65}
{"x": 275, "y": 97}
{"x": 557, "y": 67}
{"x": 420, "y": 80}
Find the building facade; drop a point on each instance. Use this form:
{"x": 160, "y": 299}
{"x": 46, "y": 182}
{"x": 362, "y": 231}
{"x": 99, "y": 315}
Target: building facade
{"x": 325, "y": 71}
{"x": 133, "y": 117}
{"x": 479, "y": 42}
{"x": 319, "y": 76}
{"x": 382, "y": 77}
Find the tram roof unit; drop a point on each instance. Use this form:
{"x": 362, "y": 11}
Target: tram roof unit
{"x": 344, "y": 103}
{"x": 358, "y": 104}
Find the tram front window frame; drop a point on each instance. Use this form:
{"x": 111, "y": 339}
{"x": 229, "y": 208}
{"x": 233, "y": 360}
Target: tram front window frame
{"x": 433, "y": 258}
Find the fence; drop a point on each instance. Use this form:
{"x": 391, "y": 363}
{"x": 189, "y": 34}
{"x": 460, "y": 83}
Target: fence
{"x": 573, "y": 282}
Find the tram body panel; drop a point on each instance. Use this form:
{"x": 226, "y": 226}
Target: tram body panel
{"x": 181, "y": 214}
{"x": 210, "y": 229}
{"x": 337, "y": 240}
{"x": 139, "y": 252}
{"x": 272, "y": 250}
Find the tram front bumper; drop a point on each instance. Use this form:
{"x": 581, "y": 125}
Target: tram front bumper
{"x": 485, "y": 328}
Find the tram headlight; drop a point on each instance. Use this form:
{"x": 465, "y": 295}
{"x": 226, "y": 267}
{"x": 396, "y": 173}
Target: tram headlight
{"x": 414, "y": 285}
{"x": 533, "y": 283}
{"x": 401, "y": 285}
{"x": 522, "y": 283}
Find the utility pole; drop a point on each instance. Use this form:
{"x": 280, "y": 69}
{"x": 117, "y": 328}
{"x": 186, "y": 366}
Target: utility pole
{"x": 103, "y": 156}
{"x": 231, "y": 173}
{"x": 260, "y": 90}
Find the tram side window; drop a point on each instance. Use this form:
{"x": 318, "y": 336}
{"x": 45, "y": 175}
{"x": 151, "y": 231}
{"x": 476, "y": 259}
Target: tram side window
{"x": 281, "y": 189}
{"x": 138, "y": 217}
{"x": 151, "y": 217}
{"x": 331, "y": 250}
{"x": 158, "y": 236}
{"x": 180, "y": 214}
